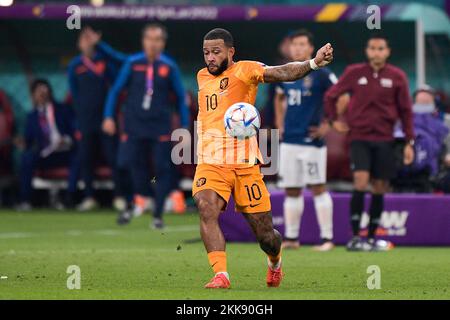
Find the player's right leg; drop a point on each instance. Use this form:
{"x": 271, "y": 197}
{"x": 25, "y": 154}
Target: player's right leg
{"x": 211, "y": 190}
{"x": 209, "y": 205}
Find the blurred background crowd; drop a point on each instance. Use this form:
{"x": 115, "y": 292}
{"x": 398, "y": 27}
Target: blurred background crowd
{"x": 38, "y": 63}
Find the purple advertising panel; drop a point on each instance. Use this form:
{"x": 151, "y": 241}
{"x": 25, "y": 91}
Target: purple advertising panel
{"x": 311, "y": 12}
{"x": 408, "y": 219}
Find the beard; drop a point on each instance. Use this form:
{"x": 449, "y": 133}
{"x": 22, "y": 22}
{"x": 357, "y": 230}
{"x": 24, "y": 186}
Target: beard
{"x": 222, "y": 67}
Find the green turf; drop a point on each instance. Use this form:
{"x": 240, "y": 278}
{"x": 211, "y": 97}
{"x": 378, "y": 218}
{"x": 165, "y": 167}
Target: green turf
{"x": 134, "y": 262}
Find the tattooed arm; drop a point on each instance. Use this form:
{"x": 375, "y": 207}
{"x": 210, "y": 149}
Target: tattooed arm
{"x": 287, "y": 72}
{"x": 295, "y": 70}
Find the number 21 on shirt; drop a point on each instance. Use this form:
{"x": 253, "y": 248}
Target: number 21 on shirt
{"x": 294, "y": 97}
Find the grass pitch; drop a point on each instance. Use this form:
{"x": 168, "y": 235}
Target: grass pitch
{"x": 134, "y": 262}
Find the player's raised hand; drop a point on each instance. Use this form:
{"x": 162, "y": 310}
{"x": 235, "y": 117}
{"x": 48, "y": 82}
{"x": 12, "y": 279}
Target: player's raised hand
{"x": 109, "y": 126}
{"x": 324, "y": 55}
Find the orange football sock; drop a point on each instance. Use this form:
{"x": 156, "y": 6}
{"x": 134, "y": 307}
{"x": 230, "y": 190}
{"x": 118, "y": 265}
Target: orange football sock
{"x": 218, "y": 261}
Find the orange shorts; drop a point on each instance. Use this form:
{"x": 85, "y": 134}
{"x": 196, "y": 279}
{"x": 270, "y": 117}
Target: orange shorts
{"x": 246, "y": 184}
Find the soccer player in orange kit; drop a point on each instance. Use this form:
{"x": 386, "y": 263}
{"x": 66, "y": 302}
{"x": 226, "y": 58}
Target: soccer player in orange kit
{"x": 222, "y": 83}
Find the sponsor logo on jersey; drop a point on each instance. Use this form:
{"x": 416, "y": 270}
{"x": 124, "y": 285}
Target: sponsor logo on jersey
{"x": 163, "y": 71}
{"x": 387, "y": 83}
{"x": 362, "y": 81}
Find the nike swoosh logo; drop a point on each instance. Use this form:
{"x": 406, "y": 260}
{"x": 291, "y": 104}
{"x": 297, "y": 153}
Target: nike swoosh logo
{"x": 254, "y": 205}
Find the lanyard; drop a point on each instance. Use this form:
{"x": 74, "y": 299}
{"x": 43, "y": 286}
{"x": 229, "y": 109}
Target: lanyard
{"x": 50, "y": 114}
{"x": 43, "y": 123}
{"x": 91, "y": 65}
{"x": 47, "y": 120}
{"x": 146, "y": 103}
{"x": 149, "y": 80}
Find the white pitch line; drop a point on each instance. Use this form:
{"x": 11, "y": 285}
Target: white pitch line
{"x": 91, "y": 251}
{"x": 108, "y": 232}
{"x": 103, "y": 232}
{"x": 15, "y": 235}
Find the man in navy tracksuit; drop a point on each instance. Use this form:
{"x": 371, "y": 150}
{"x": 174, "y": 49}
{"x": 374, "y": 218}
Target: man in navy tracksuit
{"x": 90, "y": 76}
{"x": 49, "y": 140}
{"x": 123, "y": 158}
{"x": 149, "y": 79}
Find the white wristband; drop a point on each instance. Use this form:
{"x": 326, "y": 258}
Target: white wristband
{"x": 313, "y": 64}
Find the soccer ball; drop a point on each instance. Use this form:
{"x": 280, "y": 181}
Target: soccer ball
{"x": 242, "y": 120}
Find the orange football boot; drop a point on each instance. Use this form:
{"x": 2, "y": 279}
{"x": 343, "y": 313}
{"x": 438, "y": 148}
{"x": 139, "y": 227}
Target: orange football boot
{"x": 274, "y": 277}
{"x": 219, "y": 281}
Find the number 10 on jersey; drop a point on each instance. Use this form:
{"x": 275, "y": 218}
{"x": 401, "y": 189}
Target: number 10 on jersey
{"x": 211, "y": 102}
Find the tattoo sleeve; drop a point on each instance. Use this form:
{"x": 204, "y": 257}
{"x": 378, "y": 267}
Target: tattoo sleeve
{"x": 287, "y": 72}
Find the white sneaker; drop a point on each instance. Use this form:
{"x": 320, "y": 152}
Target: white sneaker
{"x": 138, "y": 211}
{"x": 290, "y": 244}
{"x": 119, "y": 203}
{"x": 87, "y": 204}
{"x": 380, "y": 245}
{"x": 366, "y": 246}
{"x": 59, "y": 206}
{"x": 157, "y": 224}
{"x": 326, "y": 246}
{"x": 24, "y": 206}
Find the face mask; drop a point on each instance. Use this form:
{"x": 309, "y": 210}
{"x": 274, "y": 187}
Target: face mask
{"x": 423, "y": 108}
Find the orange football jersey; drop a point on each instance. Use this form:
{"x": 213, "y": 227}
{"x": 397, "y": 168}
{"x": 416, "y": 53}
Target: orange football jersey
{"x": 239, "y": 83}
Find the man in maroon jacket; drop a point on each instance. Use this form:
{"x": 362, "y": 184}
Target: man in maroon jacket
{"x": 379, "y": 97}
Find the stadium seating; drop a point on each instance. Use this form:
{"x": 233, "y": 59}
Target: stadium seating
{"x": 55, "y": 179}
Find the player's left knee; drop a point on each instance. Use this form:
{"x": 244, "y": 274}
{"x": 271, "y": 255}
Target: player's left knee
{"x": 269, "y": 239}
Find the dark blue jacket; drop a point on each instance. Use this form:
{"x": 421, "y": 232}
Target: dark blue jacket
{"x": 34, "y": 136}
{"x": 155, "y": 121}
{"x": 89, "y": 89}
